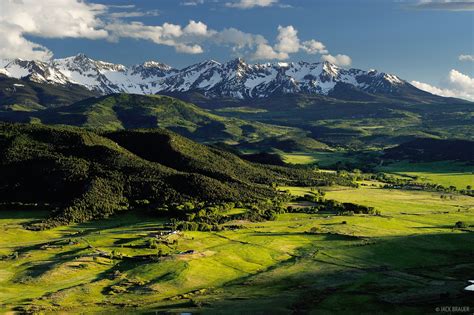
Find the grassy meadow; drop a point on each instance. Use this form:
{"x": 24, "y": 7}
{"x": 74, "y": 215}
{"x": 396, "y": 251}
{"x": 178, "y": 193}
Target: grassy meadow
{"x": 411, "y": 253}
{"x": 446, "y": 173}
{"x": 410, "y": 259}
{"x": 323, "y": 159}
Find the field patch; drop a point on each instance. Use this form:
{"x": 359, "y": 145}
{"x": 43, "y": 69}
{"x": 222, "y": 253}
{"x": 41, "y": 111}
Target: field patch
{"x": 411, "y": 252}
{"x": 445, "y": 173}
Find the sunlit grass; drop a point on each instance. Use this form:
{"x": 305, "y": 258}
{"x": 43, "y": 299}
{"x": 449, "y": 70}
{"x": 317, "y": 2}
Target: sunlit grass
{"x": 446, "y": 173}
{"x": 265, "y": 265}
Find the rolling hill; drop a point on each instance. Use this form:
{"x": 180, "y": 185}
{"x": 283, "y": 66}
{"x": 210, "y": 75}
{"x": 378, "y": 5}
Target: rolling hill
{"x": 364, "y": 124}
{"x": 429, "y": 150}
{"x": 129, "y": 111}
{"x": 86, "y": 175}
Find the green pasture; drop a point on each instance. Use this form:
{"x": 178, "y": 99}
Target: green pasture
{"x": 411, "y": 252}
{"x": 446, "y": 173}
{"x": 322, "y": 158}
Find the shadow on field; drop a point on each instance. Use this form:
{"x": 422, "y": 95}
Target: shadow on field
{"x": 331, "y": 273}
{"x": 450, "y": 227}
{"x": 36, "y": 270}
{"x": 395, "y": 275}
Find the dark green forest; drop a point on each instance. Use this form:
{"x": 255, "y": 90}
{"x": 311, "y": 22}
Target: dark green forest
{"x": 86, "y": 175}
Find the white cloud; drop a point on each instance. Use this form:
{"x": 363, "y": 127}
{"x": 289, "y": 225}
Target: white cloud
{"x": 456, "y": 84}
{"x": 449, "y": 5}
{"x": 133, "y": 14}
{"x": 189, "y": 39}
{"x": 432, "y": 89}
{"x": 248, "y": 4}
{"x": 196, "y": 28}
{"x": 340, "y": 60}
{"x": 460, "y": 81}
{"x": 182, "y": 39}
{"x": 14, "y": 45}
{"x": 238, "y": 41}
{"x": 466, "y": 57}
{"x": 266, "y": 52}
{"x": 80, "y": 19}
{"x": 192, "y": 3}
{"x": 313, "y": 47}
{"x": 54, "y": 18}
{"x": 170, "y": 30}
{"x": 189, "y": 49}
{"x": 288, "y": 41}
{"x": 125, "y": 6}
{"x": 50, "y": 19}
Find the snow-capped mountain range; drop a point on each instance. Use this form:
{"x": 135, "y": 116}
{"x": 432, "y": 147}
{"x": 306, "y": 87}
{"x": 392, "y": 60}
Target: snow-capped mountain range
{"x": 235, "y": 79}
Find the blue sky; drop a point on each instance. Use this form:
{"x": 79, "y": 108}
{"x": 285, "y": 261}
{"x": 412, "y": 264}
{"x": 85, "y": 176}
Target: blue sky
{"x": 420, "y": 40}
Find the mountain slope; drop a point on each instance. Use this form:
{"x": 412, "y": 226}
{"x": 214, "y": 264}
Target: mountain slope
{"x": 358, "y": 124}
{"x": 424, "y": 149}
{"x": 232, "y": 80}
{"x": 128, "y": 111}
{"x": 27, "y": 95}
{"x": 316, "y": 102}
{"x": 86, "y": 175}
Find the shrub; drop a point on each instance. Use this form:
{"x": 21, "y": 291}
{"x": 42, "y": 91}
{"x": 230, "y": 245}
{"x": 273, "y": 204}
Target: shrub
{"x": 314, "y": 230}
{"x": 460, "y": 225}
{"x": 152, "y": 243}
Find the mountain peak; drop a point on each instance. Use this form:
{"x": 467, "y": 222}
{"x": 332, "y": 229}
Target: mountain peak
{"x": 330, "y": 68}
{"x": 237, "y": 64}
{"x": 81, "y": 56}
{"x": 155, "y": 64}
{"x": 211, "y": 62}
{"x": 237, "y": 60}
{"x": 283, "y": 64}
{"x": 233, "y": 79}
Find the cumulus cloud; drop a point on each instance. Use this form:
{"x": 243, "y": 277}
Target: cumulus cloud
{"x": 191, "y": 38}
{"x": 50, "y": 19}
{"x": 196, "y": 28}
{"x": 237, "y": 39}
{"x": 456, "y": 84}
{"x": 182, "y": 39}
{"x": 466, "y": 58}
{"x": 14, "y": 45}
{"x": 54, "y": 18}
{"x": 188, "y": 39}
{"x": 266, "y": 52}
{"x": 189, "y": 49}
{"x": 340, "y": 60}
{"x": 450, "y": 5}
{"x": 288, "y": 43}
{"x": 80, "y": 19}
{"x": 248, "y": 4}
{"x": 314, "y": 47}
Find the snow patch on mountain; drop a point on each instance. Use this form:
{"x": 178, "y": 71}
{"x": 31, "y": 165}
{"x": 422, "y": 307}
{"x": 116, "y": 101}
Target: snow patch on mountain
{"x": 235, "y": 79}
{"x": 5, "y": 72}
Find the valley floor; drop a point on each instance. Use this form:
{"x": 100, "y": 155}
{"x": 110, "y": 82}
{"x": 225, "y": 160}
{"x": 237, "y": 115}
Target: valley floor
{"x": 408, "y": 260}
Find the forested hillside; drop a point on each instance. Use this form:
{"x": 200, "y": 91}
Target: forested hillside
{"x": 86, "y": 175}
